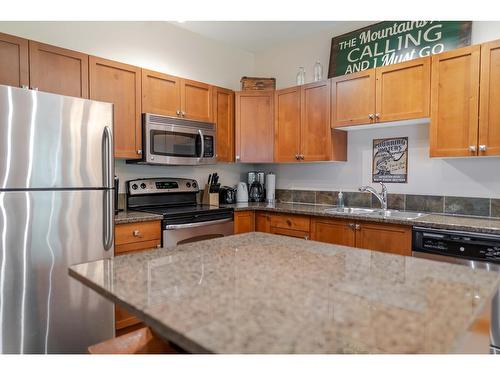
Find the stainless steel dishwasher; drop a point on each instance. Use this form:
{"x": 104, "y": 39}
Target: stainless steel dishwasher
{"x": 474, "y": 250}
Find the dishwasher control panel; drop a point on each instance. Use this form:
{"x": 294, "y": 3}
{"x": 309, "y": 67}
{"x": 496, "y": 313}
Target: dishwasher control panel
{"x": 468, "y": 245}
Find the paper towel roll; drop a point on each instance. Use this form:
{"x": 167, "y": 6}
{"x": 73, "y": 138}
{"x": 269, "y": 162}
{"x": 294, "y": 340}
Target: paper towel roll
{"x": 270, "y": 187}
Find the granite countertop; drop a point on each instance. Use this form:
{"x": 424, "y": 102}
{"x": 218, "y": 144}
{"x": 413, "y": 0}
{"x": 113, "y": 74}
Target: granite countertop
{"x": 441, "y": 221}
{"x": 125, "y": 217}
{"x": 261, "y": 293}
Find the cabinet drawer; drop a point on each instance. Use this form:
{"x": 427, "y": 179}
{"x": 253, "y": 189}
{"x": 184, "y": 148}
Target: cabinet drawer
{"x": 137, "y": 232}
{"x": 294, "y": 222}
{"x": 290, "y": 232}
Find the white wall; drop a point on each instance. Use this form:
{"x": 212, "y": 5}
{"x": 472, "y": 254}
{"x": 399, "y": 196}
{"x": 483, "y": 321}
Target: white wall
{"x": 154, "y": 45}
{"x": 478, "y": 177}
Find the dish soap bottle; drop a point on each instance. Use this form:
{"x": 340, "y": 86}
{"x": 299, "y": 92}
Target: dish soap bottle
{"x": 301, "y": 76}
{"x": 340, "y": 199}
{"x": 318, "y": 71}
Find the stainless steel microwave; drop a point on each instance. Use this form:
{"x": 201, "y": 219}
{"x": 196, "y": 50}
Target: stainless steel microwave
{"x": 173, "y": 141}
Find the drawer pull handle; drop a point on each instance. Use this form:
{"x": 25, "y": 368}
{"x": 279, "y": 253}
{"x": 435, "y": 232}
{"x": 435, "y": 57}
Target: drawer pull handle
{"x": 137, "y": 233}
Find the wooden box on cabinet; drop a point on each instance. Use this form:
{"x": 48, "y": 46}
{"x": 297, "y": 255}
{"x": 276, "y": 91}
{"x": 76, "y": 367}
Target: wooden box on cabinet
{"x": 14, "y": 65}
{"x": 254, "y": 126}
{"x": 120, "y": 84}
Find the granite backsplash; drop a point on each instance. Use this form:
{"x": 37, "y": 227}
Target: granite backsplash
{"x": 411, "y": 202}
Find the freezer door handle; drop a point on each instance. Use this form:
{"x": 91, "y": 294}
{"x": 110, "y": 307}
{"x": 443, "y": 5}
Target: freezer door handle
{"x": 108, "y": 220}
{"x": 107, "y": 158}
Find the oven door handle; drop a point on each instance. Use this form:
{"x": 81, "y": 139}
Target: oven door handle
{"x": 202, "y": 144}
{"x": 200, "y": 224}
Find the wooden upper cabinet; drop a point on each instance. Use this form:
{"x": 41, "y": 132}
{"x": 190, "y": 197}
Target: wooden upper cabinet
{"x": 196, "y": 100}
{"x": 489, "y": 100}
{"x": 120, "y": 84}
{"x": 223, "y": 116}
{"x": 254, "y": 126}
{"x": 353, "y": 99}
{"x": 315, "y": 137}
{"x": 395, "y": 239}
{"x": 403, "y": 90}
{"x": 13, "y": 61}
{"x": 287, "y": 123}
{"x": 455, "y": 102}
{"x": 161, "y": 93}
{"x": 58, "y": 70}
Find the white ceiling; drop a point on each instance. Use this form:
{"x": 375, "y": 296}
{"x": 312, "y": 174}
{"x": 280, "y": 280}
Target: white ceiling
{"x": 254, "y": 36}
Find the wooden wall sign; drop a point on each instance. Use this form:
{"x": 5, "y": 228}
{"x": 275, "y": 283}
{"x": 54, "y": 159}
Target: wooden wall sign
{"x": 390, "y": 160}
{"x": 392, "y": 42}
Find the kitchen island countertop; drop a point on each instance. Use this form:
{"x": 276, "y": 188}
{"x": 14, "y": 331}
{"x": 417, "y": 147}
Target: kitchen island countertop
{"x": 262, "y": 293}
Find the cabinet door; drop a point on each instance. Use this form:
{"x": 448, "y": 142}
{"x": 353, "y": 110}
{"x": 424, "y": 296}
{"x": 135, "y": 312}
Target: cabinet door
{"x": 287, "y": 125}
{"x": 120, "y": 84}
{"x": 13, "y": 61}
{"x": 455, "y": 102}
{"x": 196, "y": 100}
{"x": 254, "y": 126}
{"x": 489, "y": 119}
{"x": 335, "y": 231}
{"x": 58, "y": 70}
{"x": 223, "y": 116}
{"x": 161, "y": 93}
{"x": 353, "y": 99}
{"x": 403, "y": 90}
{"x": 263, "y": 222}
{"x": 388, "y": 238}
{"x": 315, "y": 131}
{"x": 244, "y": 222}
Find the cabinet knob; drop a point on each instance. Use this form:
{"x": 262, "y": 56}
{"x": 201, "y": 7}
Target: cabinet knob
{"x": 306, "y": 237}
{"x": 289, "y": 222}
{"x": 472, "y": 148}
{"x": 377, "y": 115}
{"x": 178, "y": 112}
{"x": 482, "y": 148}
{"x": 301, "y": 157}
{"x": 370, "y": 116}
{"x": 183, "y": 114}
{"x": 357, "y": 227}
{"x": 351, "y": 225}
{"x": 237, "y": 157}
{"x": 139, "y": 152}
{"x": 136, "y": 233}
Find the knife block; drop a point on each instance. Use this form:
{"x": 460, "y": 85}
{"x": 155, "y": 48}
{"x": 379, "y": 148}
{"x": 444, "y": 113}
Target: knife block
{"x": 212, "y": 199}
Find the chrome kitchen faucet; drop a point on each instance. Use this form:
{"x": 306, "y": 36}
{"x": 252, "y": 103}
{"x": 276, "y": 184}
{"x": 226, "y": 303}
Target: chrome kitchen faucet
{"x": 382, "y": 197}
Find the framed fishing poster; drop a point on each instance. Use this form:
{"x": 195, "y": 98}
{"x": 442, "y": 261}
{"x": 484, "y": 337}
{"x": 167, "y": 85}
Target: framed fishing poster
{"x": 390, "y": 160}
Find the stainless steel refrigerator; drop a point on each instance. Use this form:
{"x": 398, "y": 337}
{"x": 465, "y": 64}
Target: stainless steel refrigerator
{"x": 56, "y": 210}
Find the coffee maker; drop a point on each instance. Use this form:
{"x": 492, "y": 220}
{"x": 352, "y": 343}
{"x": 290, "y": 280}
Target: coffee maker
{"x": 256, "y": 190}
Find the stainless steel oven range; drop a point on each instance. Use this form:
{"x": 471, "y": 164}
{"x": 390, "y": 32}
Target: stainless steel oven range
{"x": 474, "y": 250}
{"x": 184, "y": 220}
{"x": 173, "y": 141}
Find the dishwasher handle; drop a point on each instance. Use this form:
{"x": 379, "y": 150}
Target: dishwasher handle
{"x": 195, "y": 225}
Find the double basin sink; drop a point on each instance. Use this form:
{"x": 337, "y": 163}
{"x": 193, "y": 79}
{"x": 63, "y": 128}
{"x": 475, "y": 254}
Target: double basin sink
{"x": 374, "y": 212}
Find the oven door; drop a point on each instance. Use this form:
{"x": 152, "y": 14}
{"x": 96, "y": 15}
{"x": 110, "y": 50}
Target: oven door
{"x": 178, "y": 145}
{"x": 178, "y": 234}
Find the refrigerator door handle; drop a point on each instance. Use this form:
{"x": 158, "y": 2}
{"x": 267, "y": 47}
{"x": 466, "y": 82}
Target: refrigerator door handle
{"x": 108, "y": 220}
{"x": 107, "y": 158}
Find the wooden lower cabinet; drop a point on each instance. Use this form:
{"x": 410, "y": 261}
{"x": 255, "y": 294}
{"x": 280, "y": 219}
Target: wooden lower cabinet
{"x": 389, "y": 238}
{"x": 263, "y": 222}
{"x": 244, "y": 222}
{"x": 334, "y": 231}
{"x": 128, "y": 238}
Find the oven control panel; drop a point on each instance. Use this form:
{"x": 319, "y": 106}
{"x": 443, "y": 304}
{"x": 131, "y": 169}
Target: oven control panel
{"x": 161, "y": 185}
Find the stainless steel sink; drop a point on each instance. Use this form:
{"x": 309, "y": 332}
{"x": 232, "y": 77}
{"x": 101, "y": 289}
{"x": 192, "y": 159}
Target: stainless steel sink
{"x": 376, "y": 212}
{"x": 397, "y": 214}
{"x": 350, "y": 210}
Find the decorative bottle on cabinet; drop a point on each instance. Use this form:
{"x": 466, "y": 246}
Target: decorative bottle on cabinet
{"x": 318, "y": 71}
{"x": 301, "y": 76}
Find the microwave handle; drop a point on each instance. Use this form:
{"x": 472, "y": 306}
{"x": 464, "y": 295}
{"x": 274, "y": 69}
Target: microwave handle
{"x": 202, "y": 144}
